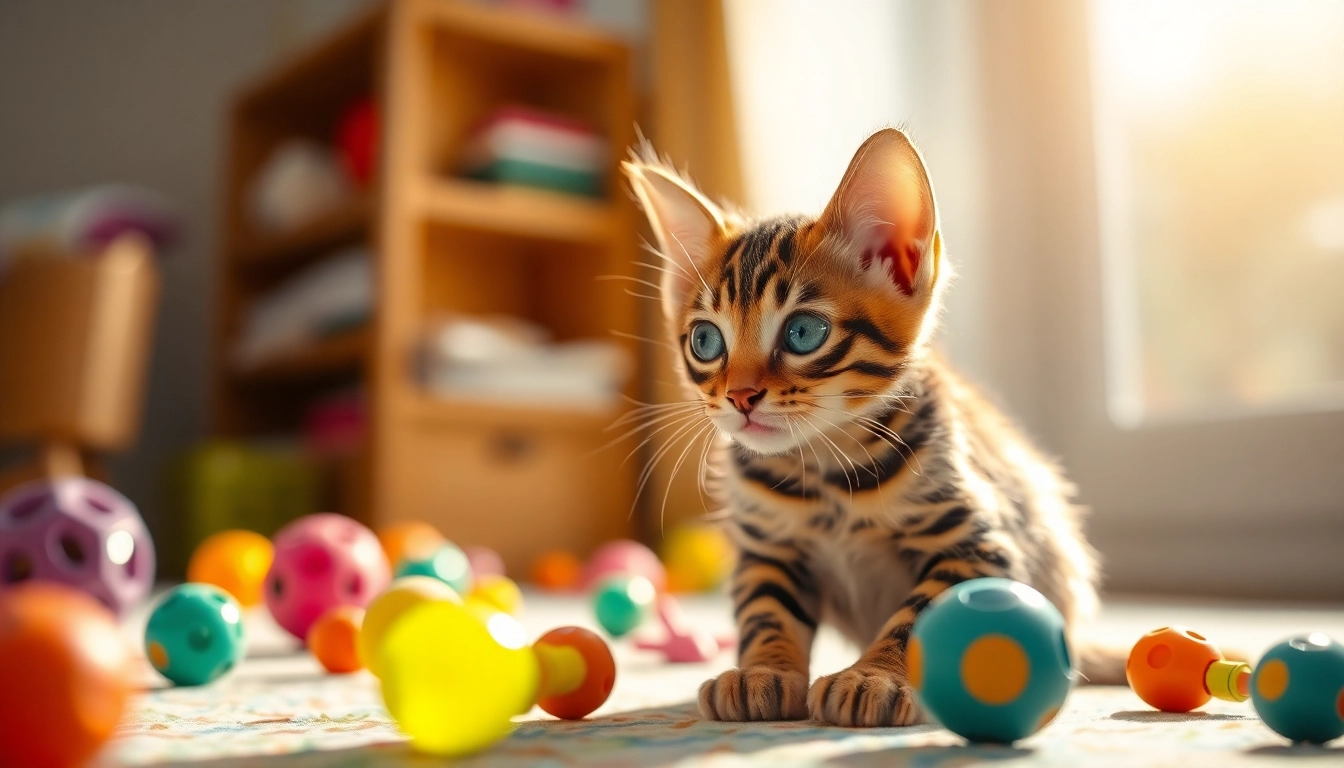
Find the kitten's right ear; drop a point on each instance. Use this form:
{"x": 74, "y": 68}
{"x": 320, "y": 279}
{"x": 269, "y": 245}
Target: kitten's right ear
{"x": 685, "y": 222}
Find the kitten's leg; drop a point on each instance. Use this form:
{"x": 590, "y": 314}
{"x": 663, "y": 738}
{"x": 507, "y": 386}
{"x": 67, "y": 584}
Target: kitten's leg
{"x": 776, "y": 603}
{"x": 875, "y": 691}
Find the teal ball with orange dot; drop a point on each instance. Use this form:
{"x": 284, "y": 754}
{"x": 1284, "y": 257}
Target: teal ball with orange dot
{"x": 989, "y": 660}
{"x": 1298, "y": 688}
{"x": 446, "y": 562}
{"x": 195, "y": 634}
{"x": 622, "y": 603}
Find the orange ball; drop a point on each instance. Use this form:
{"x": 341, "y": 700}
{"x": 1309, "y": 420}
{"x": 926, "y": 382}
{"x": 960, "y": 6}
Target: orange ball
{"x": 1166, "y": 668}
{"x": 557, "y": 570}
{"x": 598, "y": 679}
{"x": 236, "y": 561}
{"x": 334, "y": 639}
{"x": 409, "y": 538}
{"x": 65, "y": 675}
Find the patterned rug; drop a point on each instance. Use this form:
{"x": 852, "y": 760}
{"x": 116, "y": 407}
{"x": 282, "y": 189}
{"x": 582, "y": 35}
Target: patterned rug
{"x": 279, "y": 709}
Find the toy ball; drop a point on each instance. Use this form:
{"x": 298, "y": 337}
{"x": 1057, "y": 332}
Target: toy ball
{"x": 557, "y": 571}
{"x": 322, "y": 561}
{"x": 485, "y": 562}
{"x": 357, "y": 140}
{"x": 578, "y": 672}
{"x": 498, "y": 593}
{"x": 622, "y": 603}
{"x": 195, "y": 634}
{"x": 452, "y": 681}
{"x": 80, "y": 533}
{"x": 989, "y": 660}
{"x": 624, "y": 557}
{"x": 698, "y": 557}
{"x": 235, "y": 561}
{"x": 334, "y": 639}
{"x": 1175, "y": 669}
{"x": 65, "y": 675}
{"x": 447, "y": 563}
{"x": 410, "y": 538}
{"x": 1298, "y": 688}
{"x": 404, "y": 593}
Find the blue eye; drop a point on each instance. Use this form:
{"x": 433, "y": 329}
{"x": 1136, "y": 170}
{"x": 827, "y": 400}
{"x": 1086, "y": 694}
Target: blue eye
{"x": 804, "y": 333}
{"x": 706, "y": 342}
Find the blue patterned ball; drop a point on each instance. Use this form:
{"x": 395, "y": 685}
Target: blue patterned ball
{"x": 1298, "y": 688}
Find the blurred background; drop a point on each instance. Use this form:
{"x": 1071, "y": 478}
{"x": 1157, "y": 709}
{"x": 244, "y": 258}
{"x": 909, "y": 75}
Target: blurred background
{"x": 264, "y": 257}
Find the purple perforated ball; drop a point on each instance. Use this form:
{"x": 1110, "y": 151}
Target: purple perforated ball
{"x": 77, "y": 532}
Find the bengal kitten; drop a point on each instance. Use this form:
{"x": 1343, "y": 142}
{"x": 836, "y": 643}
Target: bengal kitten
{"x": 863, "y": 476}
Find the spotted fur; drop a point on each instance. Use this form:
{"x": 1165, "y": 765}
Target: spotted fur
{"x": 862, "y": 478}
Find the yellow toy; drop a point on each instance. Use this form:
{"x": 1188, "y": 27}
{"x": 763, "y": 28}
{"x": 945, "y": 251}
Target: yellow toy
{"x": 497, "y": 593}
{"x": 698, "y": 557}
{"x": 402, "y": 595}
{"x": 236, "y": 561}
{"x": 454, "y": 677}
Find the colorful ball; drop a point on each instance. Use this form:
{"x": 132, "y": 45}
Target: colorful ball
{"x": 622, "y": 603}
{"x": 624, "y": 557}
{"x": 322, "y": 561}
{"x": 583, "y": 657}
{"x": 453, "y": 682}
{"x": 988, "y": 659}
{"x": 485, "y": 562}
{"x": 498, "y": 593}
{"x": 557, "y": 571}
{"x": 65, "y": 675}
{"x": 334, "y": 639}
{"x": 698, "y": 557}
{"x": 1169, "y": 669}
{"x": 409, "y": 538}
{"x": 235, "y": 561}
{"x": 404, "y": 593}
{"x": 77, "y": 532}
{"x": 195, "y": 634}
{"x": 447, "y": 563}
{"x": 1298, "y": 688}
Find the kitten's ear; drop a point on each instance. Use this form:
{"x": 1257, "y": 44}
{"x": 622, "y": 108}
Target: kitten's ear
{"x": 685, "y": 223}
{"x": 884, "y": 209}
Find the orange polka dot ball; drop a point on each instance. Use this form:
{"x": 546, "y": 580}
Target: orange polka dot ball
{"x": 236, "y": 561}
{"x": 334, "y": 639}
{"x": 1298, "y": 688}
{"x": 989, "y": 660}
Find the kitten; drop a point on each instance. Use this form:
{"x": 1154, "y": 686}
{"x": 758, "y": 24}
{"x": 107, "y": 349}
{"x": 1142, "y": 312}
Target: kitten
{"x": 863, "y": 477}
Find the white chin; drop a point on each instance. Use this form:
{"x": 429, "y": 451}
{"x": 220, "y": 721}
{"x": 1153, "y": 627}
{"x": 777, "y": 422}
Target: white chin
{"x": 762, "y": 438}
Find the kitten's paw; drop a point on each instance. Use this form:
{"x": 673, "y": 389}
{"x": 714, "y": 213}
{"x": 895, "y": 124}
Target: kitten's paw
{"x": 864, "y": 697}
{"x": 755, "y": 693}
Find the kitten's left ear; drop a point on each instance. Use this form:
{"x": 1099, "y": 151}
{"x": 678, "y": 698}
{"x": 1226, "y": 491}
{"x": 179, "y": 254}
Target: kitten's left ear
{"x": 885, "y": 210}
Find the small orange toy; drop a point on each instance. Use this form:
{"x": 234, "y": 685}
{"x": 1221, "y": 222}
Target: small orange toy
{"x": 579, "y": 663}
{"x": 65, "y": 675}
{"x": 409, "y": 538}
{"x": 334, "y": 639}
{"x": 1175, "y": 669}
{"x": 236, "y": 561}
{"x": 557, "y": 570}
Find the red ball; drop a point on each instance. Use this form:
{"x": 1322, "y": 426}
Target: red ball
{"x": 357, "y": 141}
{"x": 65, "y": 675}
{"x": 597, "y": 682}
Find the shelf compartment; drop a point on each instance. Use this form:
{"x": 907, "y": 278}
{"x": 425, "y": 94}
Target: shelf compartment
{"x": 506, "y": 33}
{"x": 519, "y": 211}
{"x": 343, "y": 225}
{"x": 328, "y": 357}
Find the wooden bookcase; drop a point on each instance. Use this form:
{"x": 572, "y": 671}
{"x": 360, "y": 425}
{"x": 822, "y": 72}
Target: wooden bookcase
{"x": 521, "y": 479}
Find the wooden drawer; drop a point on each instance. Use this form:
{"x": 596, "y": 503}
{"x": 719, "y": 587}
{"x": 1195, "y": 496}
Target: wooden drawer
{"x": 521, "y": 490}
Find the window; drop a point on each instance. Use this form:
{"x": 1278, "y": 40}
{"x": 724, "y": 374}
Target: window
{"x": 1220, "y": 147}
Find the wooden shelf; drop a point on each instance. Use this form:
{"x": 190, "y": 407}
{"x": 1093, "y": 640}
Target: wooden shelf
{"x": 335, "y": 228}
{"x": 481, "y": 411}
{"x": 334, "y": 355}
{"x": 526, "y": 33}
{"x": 519, "y": 211}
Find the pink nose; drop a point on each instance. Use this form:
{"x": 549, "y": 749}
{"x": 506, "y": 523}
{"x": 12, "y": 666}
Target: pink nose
{"x": 745, "y": 399}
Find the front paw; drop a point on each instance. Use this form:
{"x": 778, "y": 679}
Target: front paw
{"x": 755, "y": 693}
{"x": 866, "y": 697}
